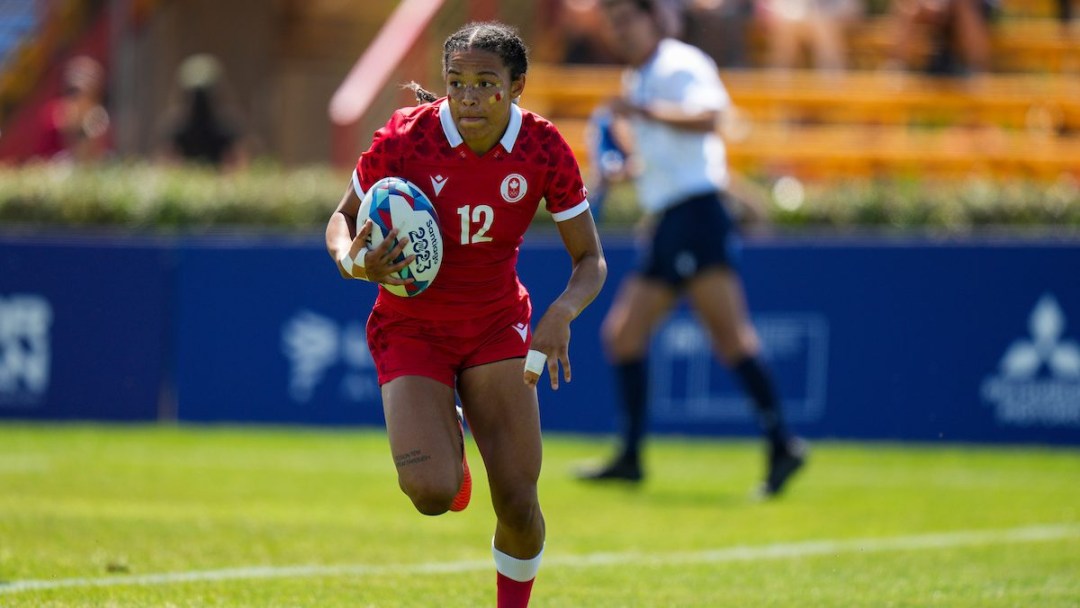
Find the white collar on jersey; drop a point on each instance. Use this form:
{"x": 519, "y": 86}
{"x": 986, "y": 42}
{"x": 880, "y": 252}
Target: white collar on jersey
{"x": 455, "y": 139}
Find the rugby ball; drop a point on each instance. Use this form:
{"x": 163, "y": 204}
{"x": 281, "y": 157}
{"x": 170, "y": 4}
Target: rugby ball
{"x": 393, "y": 202}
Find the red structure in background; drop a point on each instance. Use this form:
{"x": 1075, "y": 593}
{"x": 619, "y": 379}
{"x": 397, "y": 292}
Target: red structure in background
{"x": 401, "y": 35}
{"x": 20, "y": 135}
{"x": 92, "y": 39}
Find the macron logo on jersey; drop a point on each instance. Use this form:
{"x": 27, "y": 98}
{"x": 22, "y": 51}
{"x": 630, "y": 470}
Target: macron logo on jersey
{"x": 522, "y": 330}
{"x": 437, "y": 182}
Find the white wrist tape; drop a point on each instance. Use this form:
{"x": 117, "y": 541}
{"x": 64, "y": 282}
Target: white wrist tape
{"x": 348, "y": 262}
{"x": 534, "y": 362}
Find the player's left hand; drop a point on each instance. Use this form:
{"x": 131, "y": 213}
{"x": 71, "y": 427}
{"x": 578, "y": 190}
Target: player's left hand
{"x": 552, "y": 337}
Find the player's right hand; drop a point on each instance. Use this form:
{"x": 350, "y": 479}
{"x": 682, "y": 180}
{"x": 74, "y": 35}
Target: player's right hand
{"x": 378, "y": 262}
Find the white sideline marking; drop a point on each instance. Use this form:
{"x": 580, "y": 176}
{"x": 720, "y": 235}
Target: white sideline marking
{"x": 729, "y": 554}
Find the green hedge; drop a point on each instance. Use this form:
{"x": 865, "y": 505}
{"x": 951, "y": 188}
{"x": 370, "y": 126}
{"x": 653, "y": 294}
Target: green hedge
{"x": 950, "y": 206}
{"x": 150, "y": 198}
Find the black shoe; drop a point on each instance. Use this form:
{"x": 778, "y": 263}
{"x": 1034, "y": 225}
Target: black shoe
{"x": 783, "y": 463}
{"x": 618, "y": 470}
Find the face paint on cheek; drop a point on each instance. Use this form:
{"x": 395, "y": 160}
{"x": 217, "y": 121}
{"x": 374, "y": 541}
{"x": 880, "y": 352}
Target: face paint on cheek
{"x": 494, "y": 99}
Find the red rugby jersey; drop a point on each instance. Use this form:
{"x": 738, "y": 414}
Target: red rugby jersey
{"x": 484, "y": 203}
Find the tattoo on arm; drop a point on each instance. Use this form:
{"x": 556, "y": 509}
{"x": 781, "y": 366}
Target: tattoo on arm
{"x": 408, "y": 458}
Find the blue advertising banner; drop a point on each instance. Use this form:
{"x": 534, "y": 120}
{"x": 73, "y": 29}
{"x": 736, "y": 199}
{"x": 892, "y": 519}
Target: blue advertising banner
{"x": 866, "y": 339}
{"x": 874, "y": 339}
{"x": 911, "y": 340}
{"x": 267, "y": 331}
{"x": 82, "y": 328}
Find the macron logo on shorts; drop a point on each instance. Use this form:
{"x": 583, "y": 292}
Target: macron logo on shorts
{"x": 522, "y": 330}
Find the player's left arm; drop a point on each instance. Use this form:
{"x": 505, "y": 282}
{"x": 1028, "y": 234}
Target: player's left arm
{"x": 589, "y": 270}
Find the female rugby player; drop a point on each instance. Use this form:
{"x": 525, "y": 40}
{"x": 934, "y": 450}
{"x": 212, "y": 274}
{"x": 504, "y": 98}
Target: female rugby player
{"x": 485, "y": 164}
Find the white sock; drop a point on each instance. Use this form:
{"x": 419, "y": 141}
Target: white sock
{"x": 520, "y": 570}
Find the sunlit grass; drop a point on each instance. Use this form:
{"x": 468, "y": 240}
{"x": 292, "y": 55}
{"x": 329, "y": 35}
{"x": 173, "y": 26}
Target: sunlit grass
{"x": 101, "y": 503}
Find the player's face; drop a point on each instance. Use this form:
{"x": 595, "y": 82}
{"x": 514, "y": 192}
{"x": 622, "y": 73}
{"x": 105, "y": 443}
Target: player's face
{"x": 634, "y": 33}
{"x": 480, "y": 92}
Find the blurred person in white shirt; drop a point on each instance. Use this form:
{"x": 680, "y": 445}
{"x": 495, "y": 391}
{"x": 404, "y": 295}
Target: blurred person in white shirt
{"x": 672, "y": 100}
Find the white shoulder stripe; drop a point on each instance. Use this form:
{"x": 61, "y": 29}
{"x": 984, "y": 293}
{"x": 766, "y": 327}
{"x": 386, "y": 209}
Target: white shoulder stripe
{"x": 572, "y": 212}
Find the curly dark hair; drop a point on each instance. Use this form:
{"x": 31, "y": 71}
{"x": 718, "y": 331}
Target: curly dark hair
{"x": 492, "y": 36}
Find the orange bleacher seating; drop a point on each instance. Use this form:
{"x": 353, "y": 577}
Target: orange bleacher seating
{"x": 863, "y": 123}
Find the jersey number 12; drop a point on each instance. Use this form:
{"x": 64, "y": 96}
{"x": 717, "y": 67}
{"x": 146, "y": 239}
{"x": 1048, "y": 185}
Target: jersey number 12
{"x": 480, "y": 216}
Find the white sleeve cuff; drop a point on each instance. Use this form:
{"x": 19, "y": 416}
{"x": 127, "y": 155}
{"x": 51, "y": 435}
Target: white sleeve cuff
{"x": 572, "y": 212}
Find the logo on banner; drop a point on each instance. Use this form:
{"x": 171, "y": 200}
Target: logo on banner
{"x": 25, "y": 351}
{"x": 1038, "y": 379}
{"x": 319, "y": 348}
{"x": 689, "y": 386}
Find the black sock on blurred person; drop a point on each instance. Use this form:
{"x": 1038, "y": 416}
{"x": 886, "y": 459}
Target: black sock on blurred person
{"x": 755, "y": 380}
{"x": 633, "y": 382}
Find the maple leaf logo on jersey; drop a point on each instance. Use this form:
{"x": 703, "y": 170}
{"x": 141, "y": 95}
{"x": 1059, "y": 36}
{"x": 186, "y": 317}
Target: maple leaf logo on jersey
{"x": 513, "y": 188}
{"x": 437, "y": 182}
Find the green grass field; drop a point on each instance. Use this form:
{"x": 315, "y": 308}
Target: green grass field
{"x": 209, "y": 516}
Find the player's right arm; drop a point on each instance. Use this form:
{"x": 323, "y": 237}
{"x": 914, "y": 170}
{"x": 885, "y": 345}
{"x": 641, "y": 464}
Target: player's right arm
{"x": 670, "y": 114}
{"x": 348, "y": 246}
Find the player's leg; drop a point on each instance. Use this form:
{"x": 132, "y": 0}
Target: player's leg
{"x": 717, "y": 296}
{"x": 639, "y": 306}
{"x": 504, "y": 417}
{"x": 416, "y": 363}
{"x": 425, "y": 441}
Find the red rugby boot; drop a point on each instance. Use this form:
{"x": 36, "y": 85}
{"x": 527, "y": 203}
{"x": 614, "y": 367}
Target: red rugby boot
{"x": 464, "y": 494}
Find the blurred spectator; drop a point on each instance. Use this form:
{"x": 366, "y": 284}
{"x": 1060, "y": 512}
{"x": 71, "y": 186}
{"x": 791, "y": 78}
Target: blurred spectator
{"x": 577, "y": 23}
{"x": 584, "y": 40}
{"x": 958, "y": 30}
{"x": 671, "y": 16}
{"x": 75, "y": 125}
{"x": 1064, "y": 11}
{"x": 719, "y": 27}
{"x": 816, "y": 26}
{"x": 200, "y": 129}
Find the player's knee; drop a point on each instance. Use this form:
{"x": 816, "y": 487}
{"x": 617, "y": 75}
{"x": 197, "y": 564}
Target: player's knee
{"x": 730, "y": 353}
{"x": 737, "y": 345}
{"x": 619, "y": 344}
{"x": 609, "y": 334}
{"x": 518, "y": 511}
{"x": 430, "y": 505}
{"x": 430, "y": 498}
